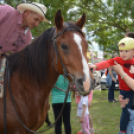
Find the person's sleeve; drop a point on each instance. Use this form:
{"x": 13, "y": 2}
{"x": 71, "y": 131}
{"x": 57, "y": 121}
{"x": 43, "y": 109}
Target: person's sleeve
{"x": 5, "y": 12}
{"x": 85, "y": 101}
{"x": 104, "y": 64}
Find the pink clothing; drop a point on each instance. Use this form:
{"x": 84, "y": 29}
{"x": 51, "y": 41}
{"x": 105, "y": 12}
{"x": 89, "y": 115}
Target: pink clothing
{"x": 90, "y": 97}
{"x": 11, "y": 37}
{"x": 85, "y": 125}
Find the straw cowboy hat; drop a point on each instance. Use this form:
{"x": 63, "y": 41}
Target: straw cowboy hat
{"x": 35, "y": 7}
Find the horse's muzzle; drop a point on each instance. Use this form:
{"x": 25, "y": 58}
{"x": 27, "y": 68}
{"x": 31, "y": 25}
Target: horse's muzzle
{"x": 80, "y": 87}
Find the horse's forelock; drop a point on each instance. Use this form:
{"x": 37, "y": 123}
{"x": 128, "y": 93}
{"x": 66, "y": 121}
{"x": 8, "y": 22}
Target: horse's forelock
{"x": 70, "y": 26}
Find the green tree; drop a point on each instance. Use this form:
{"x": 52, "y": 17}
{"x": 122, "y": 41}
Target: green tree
{"x": 52, "y": 7}
{"x": 108, "y": 20}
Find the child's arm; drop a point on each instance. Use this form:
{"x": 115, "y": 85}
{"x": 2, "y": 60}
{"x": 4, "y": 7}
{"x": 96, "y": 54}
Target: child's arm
{"x": 83, "y": 113}
{"x": 104, "y": 64}
{"x": 129, "y": 81}
{"x": 92, "y": 66}
{"x": 89, "y": 104}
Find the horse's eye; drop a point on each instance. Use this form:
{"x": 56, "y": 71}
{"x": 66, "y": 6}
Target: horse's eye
{"x": 64, "y": 47}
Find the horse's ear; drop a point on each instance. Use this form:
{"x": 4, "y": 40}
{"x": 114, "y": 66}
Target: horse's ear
{"x": 59, "y": 20}
{"x": 81, "y": 21}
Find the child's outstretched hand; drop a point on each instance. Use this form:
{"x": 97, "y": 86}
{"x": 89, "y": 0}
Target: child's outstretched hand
{"x": 92, "y": 66}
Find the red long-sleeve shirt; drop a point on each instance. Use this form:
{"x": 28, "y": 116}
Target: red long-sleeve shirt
{"x": 126, "y": 67}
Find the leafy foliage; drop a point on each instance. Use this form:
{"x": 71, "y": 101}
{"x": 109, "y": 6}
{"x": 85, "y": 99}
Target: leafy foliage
{"x": 107, "y": 20}
{"x": 52, "y": 7}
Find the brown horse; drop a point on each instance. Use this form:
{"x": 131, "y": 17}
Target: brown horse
{"x": 35, "y": 69}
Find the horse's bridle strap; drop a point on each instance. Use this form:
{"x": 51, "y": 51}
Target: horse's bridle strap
{"x": 65, "y": 72}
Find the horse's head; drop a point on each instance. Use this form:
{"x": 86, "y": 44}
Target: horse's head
{"x": 71, "y": 49}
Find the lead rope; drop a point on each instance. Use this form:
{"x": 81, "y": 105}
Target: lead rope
{"x": 65, "y": 72}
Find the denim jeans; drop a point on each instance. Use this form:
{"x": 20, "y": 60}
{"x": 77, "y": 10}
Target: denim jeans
{"x": 111, "y": 91}
{"x": 125, "y": 114}
{"x": 121, "y": 133}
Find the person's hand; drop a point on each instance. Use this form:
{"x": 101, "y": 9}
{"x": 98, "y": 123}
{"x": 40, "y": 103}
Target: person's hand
{"x": 123, "y": 102}
{"x": 77, "y": 93}
{"x": 131, "y": 69}
{"x": 72, "y": 86}
{"x": 1, "y": 54}
{"x": 81, "y": 119}
{"x": 118, "y": 68}
{"x": 113, "y": 79}
{"x": 92, "y": 66}
{"x": 89, "y": 104}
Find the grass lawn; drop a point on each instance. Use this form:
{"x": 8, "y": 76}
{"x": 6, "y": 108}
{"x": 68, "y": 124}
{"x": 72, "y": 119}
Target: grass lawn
{"x": 105, "y": 115}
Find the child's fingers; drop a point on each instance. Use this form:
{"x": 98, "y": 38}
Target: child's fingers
{"x": 115, "y": 62}
{"x": 124, "y": 103}
{"x": 121, "y": 98}
{"x": 126, "y": 100}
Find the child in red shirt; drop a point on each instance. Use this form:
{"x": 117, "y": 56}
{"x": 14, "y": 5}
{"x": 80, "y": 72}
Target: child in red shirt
{"x": 126, "y": 60}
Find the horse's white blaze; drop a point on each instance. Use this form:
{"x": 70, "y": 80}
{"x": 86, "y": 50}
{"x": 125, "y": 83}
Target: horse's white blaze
{"x": 86, "y": 84}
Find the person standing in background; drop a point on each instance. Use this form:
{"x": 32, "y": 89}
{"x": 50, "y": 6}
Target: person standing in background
{"x": 58, "y": 97}
{"x": 111, "y": 80}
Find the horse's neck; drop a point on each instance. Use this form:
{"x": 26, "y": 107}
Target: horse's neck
{"x": 50, "y": 81}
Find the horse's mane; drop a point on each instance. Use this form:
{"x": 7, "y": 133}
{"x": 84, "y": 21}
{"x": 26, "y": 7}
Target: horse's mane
{"x": 32, "y": 61}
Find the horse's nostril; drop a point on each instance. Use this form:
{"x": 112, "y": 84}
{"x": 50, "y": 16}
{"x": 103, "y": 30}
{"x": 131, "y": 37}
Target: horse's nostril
{"x": 80, "y": 81}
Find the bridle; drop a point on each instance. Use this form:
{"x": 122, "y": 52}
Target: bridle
{"x": 7, "y": 84}
{"x": 65, "y": 72}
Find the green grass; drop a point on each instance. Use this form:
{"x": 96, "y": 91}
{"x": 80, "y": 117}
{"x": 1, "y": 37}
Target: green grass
{"x": 105, "y": 115}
